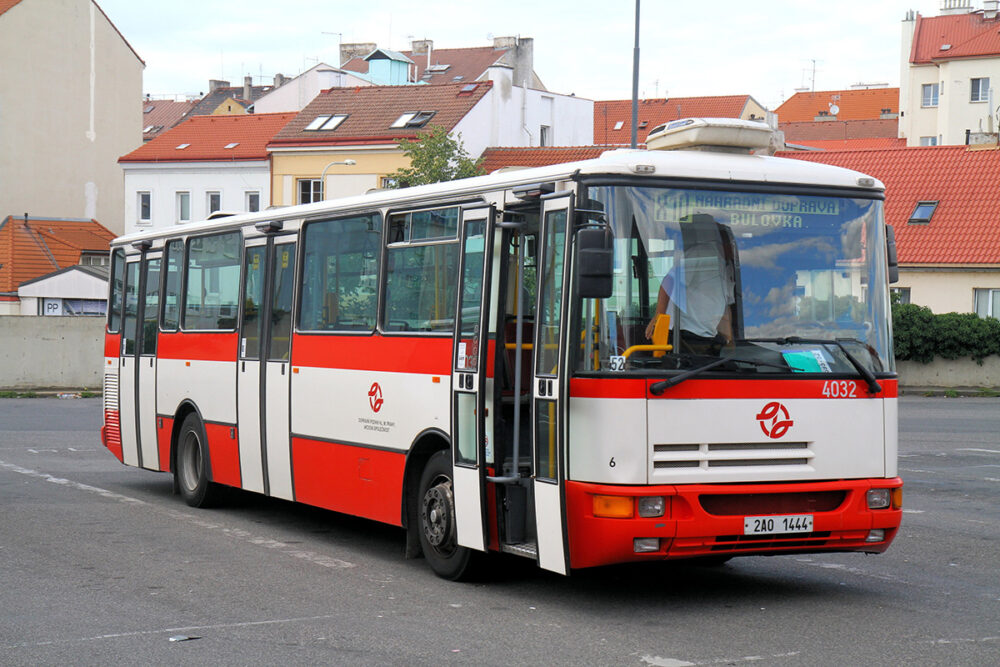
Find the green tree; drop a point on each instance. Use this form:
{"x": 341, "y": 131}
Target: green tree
{"x": 434, "y": 157}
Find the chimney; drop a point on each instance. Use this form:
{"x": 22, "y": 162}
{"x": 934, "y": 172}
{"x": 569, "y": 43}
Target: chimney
{"x": 990, "y": 8}
{"x": 520, "y": 56}
{"x": 951, "y": 7}
{"x": 356, "y": 50}
{"x": 279, "y": 80}
{"x": 421, "y": 46}
{"x": 215, "y": 84}
{"x": 247, "y": 87}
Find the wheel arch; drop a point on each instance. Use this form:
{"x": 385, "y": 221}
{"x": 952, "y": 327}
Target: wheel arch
{"x": 425, "y": 445}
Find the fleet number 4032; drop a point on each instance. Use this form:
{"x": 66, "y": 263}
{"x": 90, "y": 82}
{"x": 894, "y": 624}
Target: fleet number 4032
{"x": 840, "y": 389}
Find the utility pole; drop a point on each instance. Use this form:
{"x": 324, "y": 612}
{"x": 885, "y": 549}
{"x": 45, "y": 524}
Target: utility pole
{"x": 635, "y": 79}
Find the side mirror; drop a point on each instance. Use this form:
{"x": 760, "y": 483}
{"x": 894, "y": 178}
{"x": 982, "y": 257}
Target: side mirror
{"x": 890, "y": 253}
{"x": 595, "y": 262}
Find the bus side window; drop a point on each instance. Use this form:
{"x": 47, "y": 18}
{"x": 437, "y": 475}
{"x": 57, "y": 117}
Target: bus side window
{"x": 340, "y": 274}
{"x": 213, "y": 282}
{"x": 117, "y": 291}
{"x": 174, "y": 261}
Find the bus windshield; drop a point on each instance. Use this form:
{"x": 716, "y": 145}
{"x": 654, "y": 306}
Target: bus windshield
{"x": 782, "y": 282}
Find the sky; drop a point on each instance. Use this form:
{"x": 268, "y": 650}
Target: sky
{"x": 766, "y": 48}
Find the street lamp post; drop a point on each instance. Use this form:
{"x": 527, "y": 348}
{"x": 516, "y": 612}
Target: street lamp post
{"x": 322, "y": 179}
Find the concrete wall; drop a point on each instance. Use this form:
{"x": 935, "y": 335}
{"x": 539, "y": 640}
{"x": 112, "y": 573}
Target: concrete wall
{"x": 949, "y": 373}
{"x": 70, "y": 92}
{"x": 51, "y": 352}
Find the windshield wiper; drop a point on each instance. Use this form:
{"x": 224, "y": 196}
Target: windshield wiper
{"x": 873, "y": 386}
{"x": 658, "y": 388}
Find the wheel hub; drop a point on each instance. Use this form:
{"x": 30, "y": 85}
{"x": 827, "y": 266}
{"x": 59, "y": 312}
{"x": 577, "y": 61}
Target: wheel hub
{"x": 438, "y": 515}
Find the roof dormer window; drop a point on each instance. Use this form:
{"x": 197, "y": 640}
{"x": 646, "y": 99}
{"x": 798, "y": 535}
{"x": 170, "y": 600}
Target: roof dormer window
{"x": 326, "y": 122}
{"x": 923, "y": 212}
{"x": 413, "y": 119}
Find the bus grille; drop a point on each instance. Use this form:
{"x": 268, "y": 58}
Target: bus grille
{"x": 749, "y": 504}
{"x": 111, "y": 392}
{"x": 731, "y": 454}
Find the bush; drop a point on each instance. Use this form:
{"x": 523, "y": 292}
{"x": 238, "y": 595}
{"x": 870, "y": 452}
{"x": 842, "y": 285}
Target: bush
{"x": 920, "y": 335}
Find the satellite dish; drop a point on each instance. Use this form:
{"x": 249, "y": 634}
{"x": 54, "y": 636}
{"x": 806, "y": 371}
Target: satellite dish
{"x": 834, "y": 109}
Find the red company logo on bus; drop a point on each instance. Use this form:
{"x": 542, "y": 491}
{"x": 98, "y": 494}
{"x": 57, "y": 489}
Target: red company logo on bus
{"x": 375, "y": 397}
{"x": 774, "y": 420}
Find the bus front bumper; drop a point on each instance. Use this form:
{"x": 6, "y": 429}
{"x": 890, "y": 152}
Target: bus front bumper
{"x": 702, "y": 520}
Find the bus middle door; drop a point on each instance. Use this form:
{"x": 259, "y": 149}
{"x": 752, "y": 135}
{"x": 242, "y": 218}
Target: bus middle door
{"x": 470, "y": 422}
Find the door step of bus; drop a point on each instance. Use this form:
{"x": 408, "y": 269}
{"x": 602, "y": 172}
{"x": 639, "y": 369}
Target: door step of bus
{"x": 526, "y": 549}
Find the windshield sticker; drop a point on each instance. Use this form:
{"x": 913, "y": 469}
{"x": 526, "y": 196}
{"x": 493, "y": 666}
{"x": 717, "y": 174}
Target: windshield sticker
{"x": 743, "y": 210}
{"x": 807, "y": 361}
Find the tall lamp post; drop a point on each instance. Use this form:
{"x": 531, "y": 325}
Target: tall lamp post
{"x": 322, "y": 179}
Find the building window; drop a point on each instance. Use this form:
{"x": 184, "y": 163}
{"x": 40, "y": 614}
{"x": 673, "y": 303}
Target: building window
{"x": 901, "y": 294}
{"x": 619, "y": 124}
{"x": 928, "y": 141}
{"x": 386, "y": 182}
{"x": 980, "y": 89}
{"x": 253, "y": 202}
{"x": 929, "y": 95}
{"x": 545, "y": 136}
{"x": 214, "y": 202}
{"x": 145, "y": 207}
{"x": 183, "y": 206}
{"x": 94, "y": 259}
{"x": 923, "y": 212}
{"x": 987, "y": 302}
{"x": 310, "y": 190}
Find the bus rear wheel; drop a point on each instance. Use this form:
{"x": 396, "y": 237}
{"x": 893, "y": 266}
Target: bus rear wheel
{"x": 436, "y": 516}
{"x": 191, "y": 466}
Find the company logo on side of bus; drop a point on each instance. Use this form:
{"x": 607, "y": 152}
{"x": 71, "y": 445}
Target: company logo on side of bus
{"x": 375, "y": 397}
{"x": 774, "y": 420}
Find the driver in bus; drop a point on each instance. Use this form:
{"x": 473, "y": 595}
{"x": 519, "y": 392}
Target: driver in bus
{"x": 699, "y": 289}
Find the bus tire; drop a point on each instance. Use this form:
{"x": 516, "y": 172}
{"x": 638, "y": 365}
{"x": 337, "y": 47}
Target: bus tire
{"x": 436, "y": 520}
{"x": 191, "y": 468}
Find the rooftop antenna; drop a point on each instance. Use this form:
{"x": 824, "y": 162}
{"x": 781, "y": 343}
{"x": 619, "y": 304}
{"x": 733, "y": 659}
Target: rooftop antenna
{"x": 340, "y": 40}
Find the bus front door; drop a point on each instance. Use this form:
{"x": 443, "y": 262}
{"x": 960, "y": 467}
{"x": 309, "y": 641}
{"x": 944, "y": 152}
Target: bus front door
{"x": 470, "y": 421}
{"x": 547, "y": 385}
{"x": 264, "y": 367}
{"x": 127, "y": 363}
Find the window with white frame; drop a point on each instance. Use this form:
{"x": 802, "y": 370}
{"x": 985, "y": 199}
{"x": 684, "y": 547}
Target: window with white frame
{"x": 902, "y": 294}
{"x": 144, "y": 207}
{"x": 929, "y": 95}
{"x": 253, "y": 201}
{"x": 213, "y": 202}
{"x": 310, "y": 190}
{"x": 980, "y": 89}
{"x": 183, "y": 207}
{"x": 987, "y": 301}
{"x": 928, "y": 141}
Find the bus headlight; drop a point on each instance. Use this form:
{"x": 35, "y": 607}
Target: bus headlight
{"x": 879, "y": 499}
{"x": 652, "y": 506}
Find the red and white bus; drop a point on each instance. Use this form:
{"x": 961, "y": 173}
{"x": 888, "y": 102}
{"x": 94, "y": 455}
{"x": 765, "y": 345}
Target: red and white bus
{"x": 526, "y": 362}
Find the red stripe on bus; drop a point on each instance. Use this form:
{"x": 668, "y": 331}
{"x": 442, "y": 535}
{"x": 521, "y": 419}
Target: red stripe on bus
{"x": 112, "y": 344}
{"x": 349, "y": 479}
{"x": 694, "y": 389}
{"x": 164, "y": 432}
{"x": 373, "y": 353}
{"x": 224, "y": 454}
{"x": 198, "y": 346}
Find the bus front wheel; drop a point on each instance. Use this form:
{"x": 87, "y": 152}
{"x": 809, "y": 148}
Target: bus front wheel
{"x": 436, "y": 514}
{"x": 191, "y": 467}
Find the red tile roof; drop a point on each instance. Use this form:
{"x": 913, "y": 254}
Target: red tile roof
{"x": 208, "y": 136}
{"x": 371, "y": 110}
{"x": 853, "y": 104}
{"x": 496, "y": 158}
{"x": 469, "y": 64}
{"x": 7, "y": 4}
{"x": 962, "y": 179}
{"x": 851, "y": 144}
{"x": 160, "y": 115}
{"x": 967, "y": 36}
{"x": 653, "y": 112}
{"x": 38, "y": 247}
{"x": 840, "y": 130}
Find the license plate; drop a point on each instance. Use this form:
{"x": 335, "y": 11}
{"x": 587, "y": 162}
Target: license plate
{"x": 777, "y": 525}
